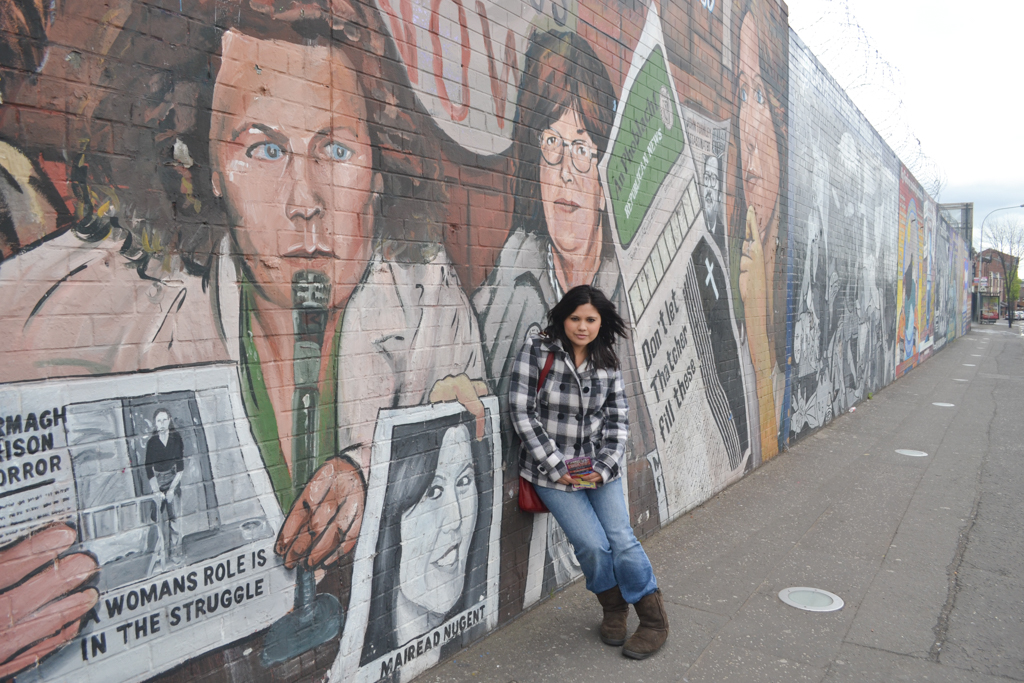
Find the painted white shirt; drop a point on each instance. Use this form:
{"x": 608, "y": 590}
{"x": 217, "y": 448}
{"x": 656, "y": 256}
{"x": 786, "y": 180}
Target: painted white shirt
{"x": 406, "y": 327}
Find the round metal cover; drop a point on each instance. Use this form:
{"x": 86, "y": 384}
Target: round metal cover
{"x": 811, "y": 599}
{"x": 912, "y": 454}
{"x": 944, "y": 405}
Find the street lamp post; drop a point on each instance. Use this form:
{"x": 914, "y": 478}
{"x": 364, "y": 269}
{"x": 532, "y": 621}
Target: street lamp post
{"x": 981, "y": 238}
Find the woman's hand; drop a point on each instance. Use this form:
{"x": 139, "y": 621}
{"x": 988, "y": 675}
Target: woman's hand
{"x": 324, "y": 522}
{"x": 467, "y": 392}
{"x": 42, "y": 613}
{"x": 593, "y": 478}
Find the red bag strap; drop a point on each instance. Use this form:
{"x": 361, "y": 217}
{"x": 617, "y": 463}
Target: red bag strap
{"x": 544, "y": 373}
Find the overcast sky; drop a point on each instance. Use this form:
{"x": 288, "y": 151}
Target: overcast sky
{"x": 962, "y": 72}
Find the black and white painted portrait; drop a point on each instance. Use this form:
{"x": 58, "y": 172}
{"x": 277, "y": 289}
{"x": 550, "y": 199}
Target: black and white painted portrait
{"x": 712, "y": 193}
{"x": 845, "y": 209}
{"x": 709, "y": 143}
{"x": 170, "y": 477}
{"x": 148, "y": 494}
{"x": 426, "y": 572}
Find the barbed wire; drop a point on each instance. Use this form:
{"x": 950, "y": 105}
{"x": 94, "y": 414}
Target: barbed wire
{"x": 873, "y": 83}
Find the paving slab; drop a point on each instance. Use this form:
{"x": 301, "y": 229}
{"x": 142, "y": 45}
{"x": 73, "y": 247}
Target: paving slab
{"x": 726, "y": 663}
{"x": 985, "y": 627}
{"x": 559, "y": 643}
{"x": 857, "y": 664}
{"x": 767, "y": 624}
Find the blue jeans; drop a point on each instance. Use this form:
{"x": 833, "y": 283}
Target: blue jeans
{"x": 596, "y": 522}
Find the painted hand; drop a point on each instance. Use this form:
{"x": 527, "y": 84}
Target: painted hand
{"x": 324, "y": 522}
{"x": 467, "y": 392}
{"x": 42, "y": 613}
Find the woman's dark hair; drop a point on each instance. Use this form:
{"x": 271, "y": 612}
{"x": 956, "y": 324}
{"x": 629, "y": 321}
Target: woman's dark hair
{"x": 601, "y": 350}
{"x": 562, "y": 73}
{"x": 415, "y": 450}
{"x": 128, "y": 180}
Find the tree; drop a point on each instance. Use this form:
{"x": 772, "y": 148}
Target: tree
{"x": 1007, "y": 237}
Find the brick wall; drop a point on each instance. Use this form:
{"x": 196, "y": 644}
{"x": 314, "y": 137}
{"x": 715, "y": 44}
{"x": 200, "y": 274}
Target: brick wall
{"x": 266, "y": 266}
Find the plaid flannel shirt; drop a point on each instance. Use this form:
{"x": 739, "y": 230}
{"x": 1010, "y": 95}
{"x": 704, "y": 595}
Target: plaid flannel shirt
{"x": 578, "y": 412}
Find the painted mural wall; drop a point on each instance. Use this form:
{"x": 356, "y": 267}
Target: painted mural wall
{"x": 265, "y": 266}
{"x": 879, "y": 281}
{"x": 844, "y": 183}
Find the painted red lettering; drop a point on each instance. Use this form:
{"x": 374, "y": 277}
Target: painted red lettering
{"x": 405, "y": 36}
{"x": 457, "y": 112}
{"x": 499, "y": 85}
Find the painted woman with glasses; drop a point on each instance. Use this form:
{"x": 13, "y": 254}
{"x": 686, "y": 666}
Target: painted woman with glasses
{"x": 560, "y": 238}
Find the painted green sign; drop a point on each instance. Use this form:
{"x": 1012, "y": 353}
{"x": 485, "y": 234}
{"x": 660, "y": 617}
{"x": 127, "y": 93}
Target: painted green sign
{"x": 649, "y": 142}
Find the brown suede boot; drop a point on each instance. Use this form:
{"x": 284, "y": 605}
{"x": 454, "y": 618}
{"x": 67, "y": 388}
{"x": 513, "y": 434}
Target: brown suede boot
{"x": 613, "y": 626}
{"x": 653, "y": 630}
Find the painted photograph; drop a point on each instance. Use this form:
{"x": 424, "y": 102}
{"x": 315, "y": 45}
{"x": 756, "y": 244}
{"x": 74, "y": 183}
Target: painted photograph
{"x": 425, "y": 574}
{"x": 171, "y": 512}
{"x": 147, "y": 500}
{"x": 709, "y": 145}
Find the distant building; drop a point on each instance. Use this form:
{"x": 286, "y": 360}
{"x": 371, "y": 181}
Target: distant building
{"x": 990, "y": 275}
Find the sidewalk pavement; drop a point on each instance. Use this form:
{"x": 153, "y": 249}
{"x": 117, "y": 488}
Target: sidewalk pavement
{"x": 925, "y": 552}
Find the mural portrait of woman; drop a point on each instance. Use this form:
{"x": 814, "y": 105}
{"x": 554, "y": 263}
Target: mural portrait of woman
{"x": 430, "y": 560}
{"x": 757, "y": 212}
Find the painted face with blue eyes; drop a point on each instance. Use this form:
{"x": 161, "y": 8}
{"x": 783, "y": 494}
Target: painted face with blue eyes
{"x": 291, "y": 158}
{"x": 437, "y": 530}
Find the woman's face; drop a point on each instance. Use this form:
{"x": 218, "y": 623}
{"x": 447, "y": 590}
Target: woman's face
{"x": 759, "y": 150}
{"x": 582, "y": 326}
{"x": 437, "y": 530}
{"x": 572, "y": 198}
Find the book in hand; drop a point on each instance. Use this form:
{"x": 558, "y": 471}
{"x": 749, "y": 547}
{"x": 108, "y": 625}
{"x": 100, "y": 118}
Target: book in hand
{"x": 577, "y": 468}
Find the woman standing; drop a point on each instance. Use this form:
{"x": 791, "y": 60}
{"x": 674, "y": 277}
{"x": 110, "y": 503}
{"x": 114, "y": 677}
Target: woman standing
{"x": 560, "y": 238}
{"x": 580, "y": 411}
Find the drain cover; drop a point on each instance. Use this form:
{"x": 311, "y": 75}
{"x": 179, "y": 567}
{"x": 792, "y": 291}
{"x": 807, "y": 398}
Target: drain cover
{"x": 811, "y": 599}
{"x": 944, "y": 405}
{"x": 912, "y": 454}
